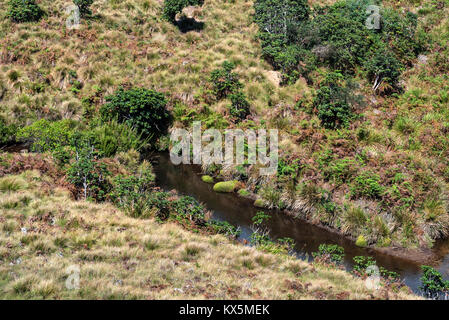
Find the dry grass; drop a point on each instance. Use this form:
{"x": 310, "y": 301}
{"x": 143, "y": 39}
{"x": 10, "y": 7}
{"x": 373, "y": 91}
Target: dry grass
{"x": 45, "y": 232}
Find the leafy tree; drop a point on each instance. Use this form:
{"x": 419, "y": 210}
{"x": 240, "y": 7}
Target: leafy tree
{"x": 335, "y": 101}
{"x": 383, "y": 67}
{"x": 143, "y": 109}
{"x": 239, "y": 108}
{"x": 84, "y": 7}
{"x": 6, "y": 131}
{"x": 24, "y": 11}
{"x": 224, "y": 80}
{"x": 432, "y": 283}
{"x": 173, "y": 7}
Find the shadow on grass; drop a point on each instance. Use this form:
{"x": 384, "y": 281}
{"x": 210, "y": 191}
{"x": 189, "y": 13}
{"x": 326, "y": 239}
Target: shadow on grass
{"x": 189, "y": 24}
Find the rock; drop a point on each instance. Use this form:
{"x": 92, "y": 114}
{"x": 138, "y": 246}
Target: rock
{"x": 226, "y": 186}
{"x": 274, "y": 77}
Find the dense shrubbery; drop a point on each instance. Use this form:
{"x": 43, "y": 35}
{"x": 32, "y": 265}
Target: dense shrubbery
{"x": 173, "y": 7}
{"x": 140, "y": 108}
{"x": 224, "y": 81}
{"x": 336, "y": 36}
{"x": 84, "y": 6}
{"x": 24, "y": 11}
{"x": 336, "y": 101}
{"x": 239, "y": 108}
{"x": 432, "y": 283}
{"x": 7, "y": 131}
{"x": 329, "y": 253}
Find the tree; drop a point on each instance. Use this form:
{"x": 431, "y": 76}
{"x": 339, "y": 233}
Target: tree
{"x": 24, "y": 11}
{"x": 173, "y": 7}
{"x": 84, "y": 7}
{"x": 142, "y": 109}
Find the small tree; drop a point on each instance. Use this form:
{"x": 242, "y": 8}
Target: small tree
{"x": 239, "y": 108}
{"x": 173, "y": 7}
{"x": 84, "y": 7}
{"x": 225, "y": 81}
{"x": 140, "y": 108}
{"x": 24, "y": 11}
{"x": 432, "y": 283}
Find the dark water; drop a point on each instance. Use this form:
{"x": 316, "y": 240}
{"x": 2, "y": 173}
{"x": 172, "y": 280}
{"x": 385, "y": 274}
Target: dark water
{"x": 186, "y": 179}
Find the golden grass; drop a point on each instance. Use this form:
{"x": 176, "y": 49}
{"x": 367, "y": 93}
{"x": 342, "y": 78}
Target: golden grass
{"x": 124, "y": 258}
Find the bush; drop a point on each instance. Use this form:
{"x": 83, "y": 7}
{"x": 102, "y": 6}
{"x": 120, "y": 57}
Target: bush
{"x": 88, "y": 173}
{"x": 6, "y": 132}
{"x": 336, "y": 36}
{"x": 142, "y": 109}
{"x": 84, "y": 7}
{"x": 224, "y": 81}
{"x": 112, "y": 137}
{"x": 329, "y": 253}
{"x": 432, "y": 283}
{"x": 367, "y": 185}
{"x": 173, "y": 7}
{"x": 239, "y": 108}
{"x": 335, "y": 101}
{"x": 24, "y": 11}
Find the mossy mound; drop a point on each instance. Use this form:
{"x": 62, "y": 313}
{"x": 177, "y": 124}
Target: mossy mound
{"x": 207, "y": 179}
{"x": 259, "y": 203}
{"x": 244, "y": 193}
{"x": 361, "y": 241}
{"x": 225, "y": 186}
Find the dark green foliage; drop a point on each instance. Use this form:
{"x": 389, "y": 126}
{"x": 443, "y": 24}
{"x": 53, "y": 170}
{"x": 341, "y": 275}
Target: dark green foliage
{"x": 223, "y": 227}
{"x": 113, "y": 137}
{"x": 239, "y": 108}
{"x": 432, "y": 283}
{"x": 142, "y": 109}
{"x": 188, "y": 207}
{"x": 336, "y": 36}
{"x": 224, "y": 81}
{"x": 84, "y": 7}
{"x": 88, "y": 173}
{"x": 336, "y": 101}
{"x": 173, "y": 7}
{"x": 260, "y": 218}
{"x": 6, "y": 132}
{"x": 367, "y": 185}
{"x": 24, "y": 11}
{"x": 329, "y": 253}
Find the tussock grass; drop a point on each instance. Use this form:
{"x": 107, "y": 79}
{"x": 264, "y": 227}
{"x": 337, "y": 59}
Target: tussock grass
{"x": 124, "y": 258}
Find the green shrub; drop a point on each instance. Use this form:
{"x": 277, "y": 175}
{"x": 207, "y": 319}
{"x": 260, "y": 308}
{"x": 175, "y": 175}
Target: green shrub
{"x": 432, "y": 283}
{"x": 224, "y": 81}
{"x": 7, "y": 132}
{"x": 336, "y": 101}
{"x": 84, "y": 7}
{"x": 87, "y": 173}
{"x": 223, "y": 227}
{"x": 367, "y": 185}
{"x": 173, "y": 7}
{"x": 112, "y": 137}
{"x": 225, "y": 186}
{"x": 142, "y": 109}
{"x": 239, "y": 108}
{"x": 24, "y": 11}
{"x": 329, "y": 253}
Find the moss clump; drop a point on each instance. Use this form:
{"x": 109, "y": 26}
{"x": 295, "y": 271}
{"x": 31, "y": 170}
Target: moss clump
{"x": 259, "y": 203}
{"x": 225, "y": 186}
{"x": 244, "y": 193}
{"x": 361, "y": 241}
{"x": 207, "y": 179}
{"x": 384, "y": 242}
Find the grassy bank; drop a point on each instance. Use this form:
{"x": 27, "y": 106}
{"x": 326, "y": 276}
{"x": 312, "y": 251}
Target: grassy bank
{"x": 44, "y": 232}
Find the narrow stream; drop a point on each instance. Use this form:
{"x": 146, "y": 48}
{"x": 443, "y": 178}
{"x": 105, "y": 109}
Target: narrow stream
{"x": 186, "y": 179}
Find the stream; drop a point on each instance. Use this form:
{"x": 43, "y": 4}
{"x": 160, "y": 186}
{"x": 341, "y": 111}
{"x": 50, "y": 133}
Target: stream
{"x": 186, "y": 179}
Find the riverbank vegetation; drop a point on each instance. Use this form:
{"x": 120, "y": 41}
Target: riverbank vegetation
{"x": 362, "y": 113}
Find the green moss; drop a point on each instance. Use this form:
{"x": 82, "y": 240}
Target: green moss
{"x": 244, "y": 193}
{"x": 207, "y": 179}
{"x": 225, "y": 186}
{"x": 384, "y": 242}
{"x": 259, "y": 203}
{"x": 361, "y": 241}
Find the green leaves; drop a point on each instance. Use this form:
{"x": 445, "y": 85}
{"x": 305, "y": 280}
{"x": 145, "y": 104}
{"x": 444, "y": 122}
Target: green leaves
{"x": 173, "y": 7}
{"x": 224, "y": 81}
{"x": 24, "y": 11}
{"x": 432, "y": 283}
{"x": 143, "y": 109}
